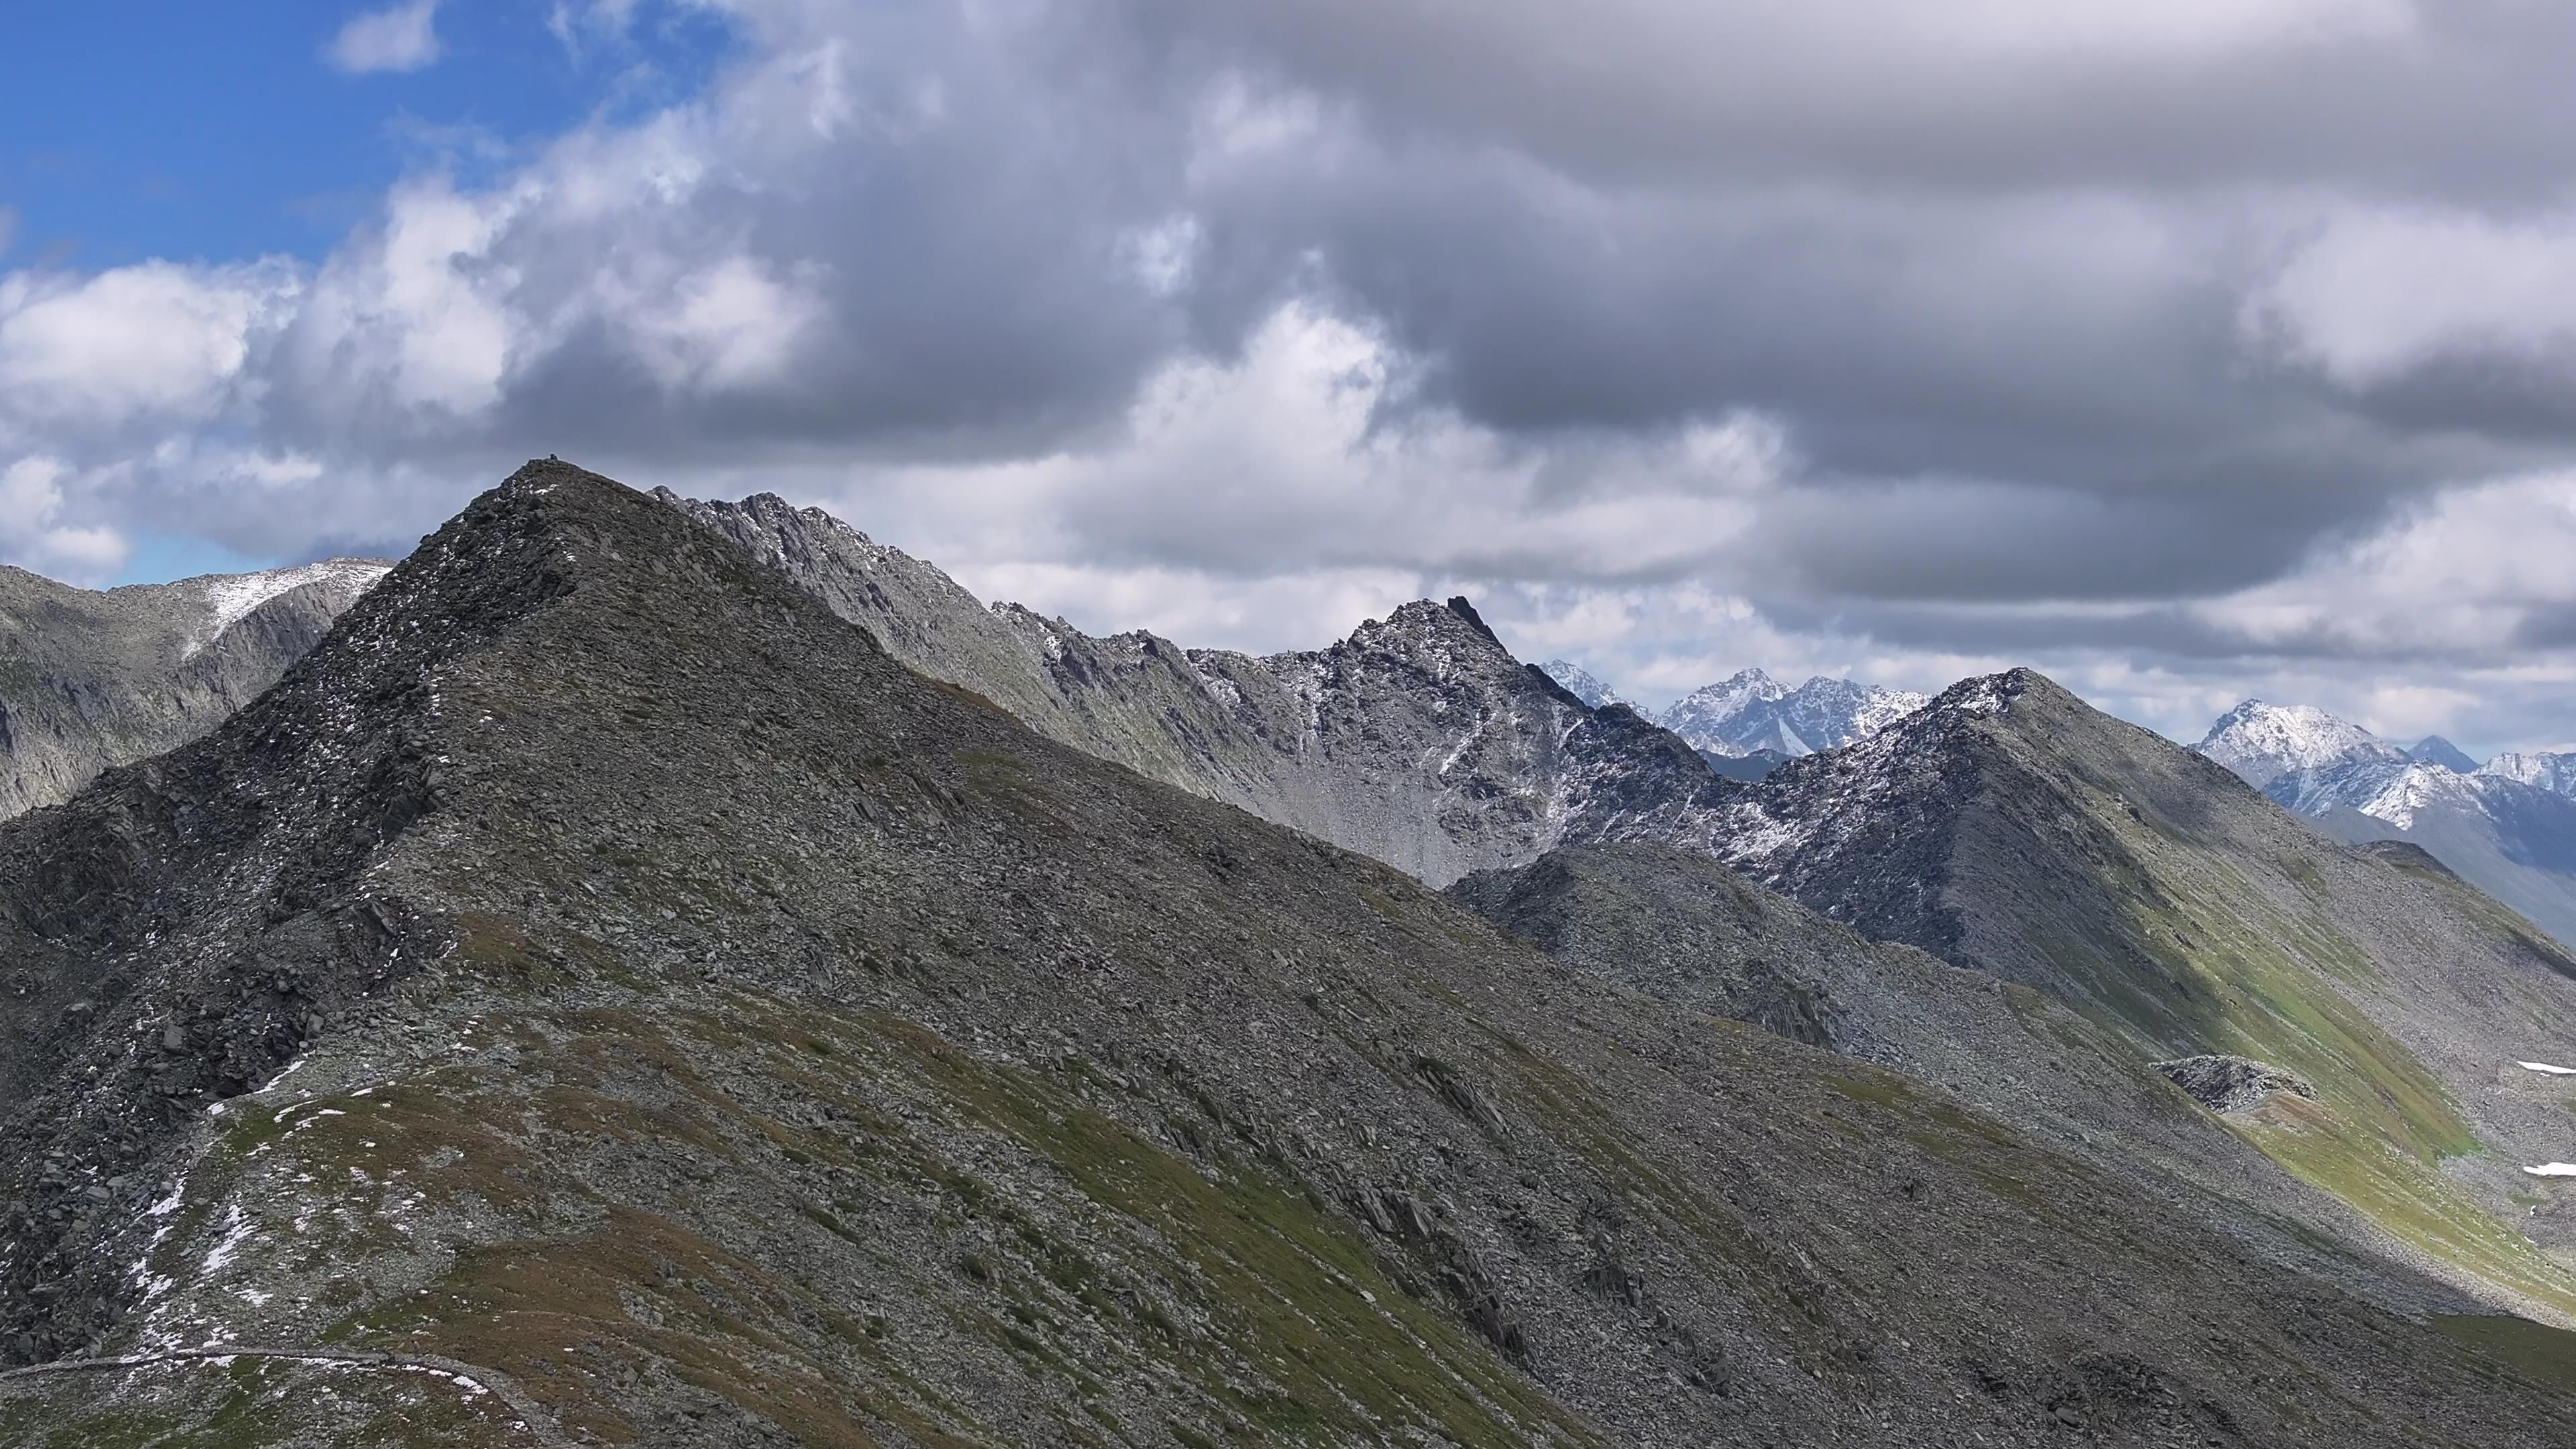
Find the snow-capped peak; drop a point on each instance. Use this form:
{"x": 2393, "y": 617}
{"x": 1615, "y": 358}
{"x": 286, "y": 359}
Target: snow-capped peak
{"x": 2555, "y": 773}
{"x": 2263, "y": 742}
{"x": 1580, "y": 682}
{"x": 1752, "y": 711}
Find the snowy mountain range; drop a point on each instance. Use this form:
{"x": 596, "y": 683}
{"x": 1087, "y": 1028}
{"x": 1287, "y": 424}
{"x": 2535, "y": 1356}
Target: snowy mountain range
{"x": 2507, "y": 826}
{"x": 1750, "y": 712}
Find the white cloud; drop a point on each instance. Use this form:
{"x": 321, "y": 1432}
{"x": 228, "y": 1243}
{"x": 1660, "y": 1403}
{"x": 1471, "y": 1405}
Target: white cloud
{"x": 414, "y": 319}
{"x": 2377, "y": 293}
{"x": 155, "y": 339}
{"x": 32, "y": 535}
{"x": 397, "y": 38}
{"x": 730, "y": 325}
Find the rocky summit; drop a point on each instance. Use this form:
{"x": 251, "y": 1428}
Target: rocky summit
{"x": 604, "y": 995}
{"x": 2012, "y": 829}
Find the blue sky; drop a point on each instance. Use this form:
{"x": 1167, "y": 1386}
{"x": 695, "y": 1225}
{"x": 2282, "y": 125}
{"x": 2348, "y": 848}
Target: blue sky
{"x": 197, "y": 132}
{"x": 204, "y": 133}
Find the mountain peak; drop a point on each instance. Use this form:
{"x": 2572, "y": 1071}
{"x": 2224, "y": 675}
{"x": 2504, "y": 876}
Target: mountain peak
{"x": 1750, "y": 712}
{"x": 2435, "y": 750}
{"x": 1581, "y": 683}
{"x": 2264, "y": 742}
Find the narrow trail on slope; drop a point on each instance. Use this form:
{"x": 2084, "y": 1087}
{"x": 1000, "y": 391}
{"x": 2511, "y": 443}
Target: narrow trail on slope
{"x": 500, "y": 1385}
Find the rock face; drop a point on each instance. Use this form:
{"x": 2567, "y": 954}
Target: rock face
{"x": 1751, "y": 713}
{"x": 1419, "y": 740}
{"x": 2010, "y": 828}
{"x": 2553, "y": 773}
{"x": 2226, "y": 1084}
{"x": 89, "y": 680}
{"x": 2505, "y": 827}
{"x": 601, "y": 996}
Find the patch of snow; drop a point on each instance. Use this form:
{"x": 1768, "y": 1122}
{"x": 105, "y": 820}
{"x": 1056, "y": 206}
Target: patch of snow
{"x": 2553, "y": 1169}
{"x": 231, "y": 598}
{"x": 2546, "y": 1067}
{"x": 237, "y": 1231}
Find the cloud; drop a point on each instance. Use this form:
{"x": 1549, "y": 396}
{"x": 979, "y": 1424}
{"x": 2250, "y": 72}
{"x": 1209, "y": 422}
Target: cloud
{"x": 151, "y": 340}
{"x": 2379, "y": 294}
{"x": 397, "y": 38}
{"x": 32, "y": 535}
{"x": 2187, "y": 351}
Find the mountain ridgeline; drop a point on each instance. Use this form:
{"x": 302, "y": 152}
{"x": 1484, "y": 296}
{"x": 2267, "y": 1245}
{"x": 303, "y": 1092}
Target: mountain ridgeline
{"x": 1419, "y": 740}
{"x": 609, "y": 992}
{"x": 89, "y": 680}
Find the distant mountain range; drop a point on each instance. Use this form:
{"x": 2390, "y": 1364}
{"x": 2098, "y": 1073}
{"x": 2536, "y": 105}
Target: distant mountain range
{"x": 1748, "y": 723}
{"x": 2507, "y": 826}
{"x": 1581, "y": 683}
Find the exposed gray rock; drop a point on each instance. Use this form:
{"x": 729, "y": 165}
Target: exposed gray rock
{"x": 2226, "y": 1084}
{"x": 89, "y": 680}
{"x": 1419, "y": 740}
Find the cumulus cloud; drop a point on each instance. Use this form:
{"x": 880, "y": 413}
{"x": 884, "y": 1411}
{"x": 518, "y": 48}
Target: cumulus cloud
{"x": 397, "y": 38}
{"x": 153, "y": 340}
{"x": 32, "y": 534}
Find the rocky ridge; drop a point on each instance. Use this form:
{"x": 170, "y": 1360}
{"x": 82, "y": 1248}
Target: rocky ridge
{"x": 600, "y": 980}
{"x": 2010, "y": 828}
{"x": 1419, "y": 740}
{"x": 93, "y": 679}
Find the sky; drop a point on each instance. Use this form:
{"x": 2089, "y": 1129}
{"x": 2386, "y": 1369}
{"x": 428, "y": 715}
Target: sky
{"x": 2186, "y": 352}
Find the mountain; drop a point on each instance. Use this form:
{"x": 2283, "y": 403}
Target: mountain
{"x": 2501, "y": 827}
{"x": 2553, "y": 773}
{"x": 601, "y": 996}
{"x": 2264, "y": 742}
{"x": 1580, "y": 683}
{"x": 1684, "y": 928}
{"x": 91, "y": 679}
{"x": 2010, "y": 828}
{"x": 1752, "y": 713}
{"x": 1419, "y": 740}
{"x": 2435, "y": 750}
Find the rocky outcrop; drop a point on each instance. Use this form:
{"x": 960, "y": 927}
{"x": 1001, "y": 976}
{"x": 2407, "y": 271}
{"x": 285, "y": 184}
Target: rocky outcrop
{"x": 2226, "y": 1084}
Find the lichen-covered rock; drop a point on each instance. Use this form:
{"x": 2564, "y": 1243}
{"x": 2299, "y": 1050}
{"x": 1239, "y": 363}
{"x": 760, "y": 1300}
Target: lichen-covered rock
{"x": 2225, "y": 1084}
